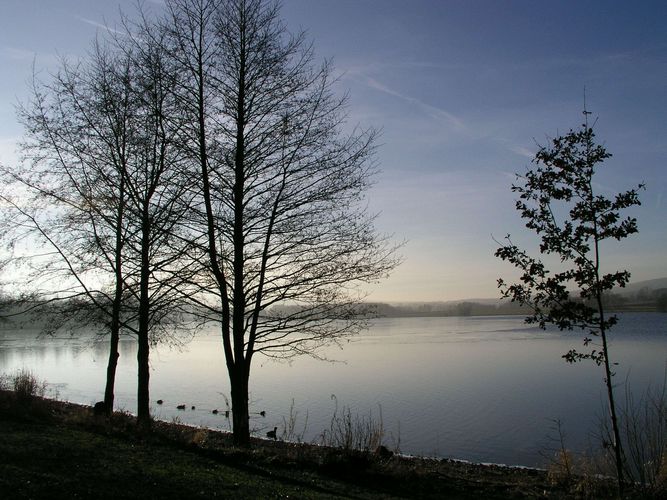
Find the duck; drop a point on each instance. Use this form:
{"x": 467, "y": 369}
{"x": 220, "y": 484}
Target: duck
{"x": 180, "y": 407}
{"x": 262, "y": 413}
{"x": 272, "y": 434}
{"x": 193, "y": 407}
{"x": 159, "y": 401}
{"x": 215, "y": 412}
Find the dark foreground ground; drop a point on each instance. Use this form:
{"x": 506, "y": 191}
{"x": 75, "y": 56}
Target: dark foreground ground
{"x": 51, "y": 449}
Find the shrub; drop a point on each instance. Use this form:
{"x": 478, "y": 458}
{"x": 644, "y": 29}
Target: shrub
{"x": 26, "y": 385}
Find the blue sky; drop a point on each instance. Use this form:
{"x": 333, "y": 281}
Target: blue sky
{"x": 462, "y": 91}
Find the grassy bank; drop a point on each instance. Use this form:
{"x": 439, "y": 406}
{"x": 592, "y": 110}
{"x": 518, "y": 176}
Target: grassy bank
{"x": 52, "y": 449}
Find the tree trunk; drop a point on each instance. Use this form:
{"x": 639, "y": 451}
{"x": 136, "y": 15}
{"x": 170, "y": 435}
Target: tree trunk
{"x": 143, "y": 374}
{"x": 111, "y": 371}
{"x": 240, "y": 413}
{"x": 618, "y": 448}
{"x": 117, "y": 301}
{"x": 240, "y": 369}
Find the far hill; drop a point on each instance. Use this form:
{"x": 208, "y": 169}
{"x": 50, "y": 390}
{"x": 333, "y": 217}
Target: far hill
{"x": 644, "y": 286}
{"x": 477, "y": 307}
{"x": 648, "y": 295}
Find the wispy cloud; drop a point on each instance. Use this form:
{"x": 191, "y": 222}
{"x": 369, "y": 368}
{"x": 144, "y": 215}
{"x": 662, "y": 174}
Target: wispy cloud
{"x": 433, "y": 111}
{"x": 362, "y": 75}
{"x": 16, "y": 54}
{"x": 9, "y": 150}
{"x": 21, "y": 55}
{"x": 508, "y": 175}
{"x": 521, "y": 151}
{"x": 101, "y": 26}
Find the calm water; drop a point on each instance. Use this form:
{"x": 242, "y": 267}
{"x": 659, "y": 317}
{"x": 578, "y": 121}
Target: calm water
{"x": 482, "y": 388}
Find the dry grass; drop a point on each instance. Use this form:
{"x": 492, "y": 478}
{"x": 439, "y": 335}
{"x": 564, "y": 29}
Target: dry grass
{"x": 643, "y": 426}
{"x": 290, "y": 425}
{"x": 644, "y": 429}
{"x": 26, "y": 385}
{"x": 353, "y": 432}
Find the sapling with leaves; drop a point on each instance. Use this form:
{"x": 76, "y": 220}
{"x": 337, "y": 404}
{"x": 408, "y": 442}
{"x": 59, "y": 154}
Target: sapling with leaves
{"x": 558, "y": 201}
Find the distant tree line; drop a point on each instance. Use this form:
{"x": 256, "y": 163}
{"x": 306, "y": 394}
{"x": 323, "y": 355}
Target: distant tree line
{"x": 69, "y": 312}
{"x": 645, "y": 300}
{"x": 440, "y": 309}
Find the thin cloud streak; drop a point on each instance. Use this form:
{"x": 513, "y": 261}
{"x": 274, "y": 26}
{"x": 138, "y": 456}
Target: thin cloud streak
{"x": 27, "y": 56}
{"x": 521, "y": 151}
{"x": 100, "y": 25}
{"x": 16, "y": 54}
{"x": 433, "y": 111}
{"x": 361, "y": 76}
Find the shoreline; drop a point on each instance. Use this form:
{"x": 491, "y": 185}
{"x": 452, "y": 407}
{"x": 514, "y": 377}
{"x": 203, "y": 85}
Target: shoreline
{"x": 316, "y": 470}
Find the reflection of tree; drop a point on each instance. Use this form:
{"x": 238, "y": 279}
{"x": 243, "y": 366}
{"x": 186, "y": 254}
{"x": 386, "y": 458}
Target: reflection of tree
{"x": 127, "y": 348}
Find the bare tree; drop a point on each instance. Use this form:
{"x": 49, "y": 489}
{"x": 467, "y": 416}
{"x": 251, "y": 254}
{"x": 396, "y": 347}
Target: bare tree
{"x": 160, "y": 192}
{"x": 284, "y": 231}
{"x": 110, "y": 186}
{"x": 75, "y": 198}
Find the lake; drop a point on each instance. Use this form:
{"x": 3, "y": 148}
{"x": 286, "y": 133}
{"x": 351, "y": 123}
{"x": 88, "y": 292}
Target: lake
{"x": 485, "y": 389}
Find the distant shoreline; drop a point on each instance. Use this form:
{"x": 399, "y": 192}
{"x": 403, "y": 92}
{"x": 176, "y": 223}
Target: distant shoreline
{"x": 19, "y": 322}
{"x": 639, "y": 308}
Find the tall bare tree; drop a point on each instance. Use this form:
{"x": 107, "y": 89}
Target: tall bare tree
{"x": 160, "y": 192}
{"x": 76, "y": 145}
{"x": 105, "y": 156}
{"x": 285, "y": 234}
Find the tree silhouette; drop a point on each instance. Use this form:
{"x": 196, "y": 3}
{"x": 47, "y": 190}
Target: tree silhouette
{"x": 284, "y": 235}
{"x": 106, "y": 188}
{"x": 558, "y": 202}
{"x": 202, "y": 156}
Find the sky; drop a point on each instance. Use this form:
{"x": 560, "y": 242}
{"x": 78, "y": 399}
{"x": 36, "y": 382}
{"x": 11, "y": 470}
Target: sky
{"x": 463, "y": 92}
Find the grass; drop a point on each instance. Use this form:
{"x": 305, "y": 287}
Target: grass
{"x": 43, "y": 460}
{"x": 51, "y": 449}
